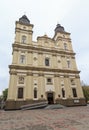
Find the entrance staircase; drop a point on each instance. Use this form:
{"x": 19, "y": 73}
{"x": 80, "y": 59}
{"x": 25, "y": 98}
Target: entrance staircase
{"x": 34, "y": 106}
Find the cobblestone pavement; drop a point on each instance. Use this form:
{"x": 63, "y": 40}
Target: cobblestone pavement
{"x": 71, "y": 118}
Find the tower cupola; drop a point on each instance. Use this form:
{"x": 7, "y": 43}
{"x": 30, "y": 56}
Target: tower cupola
{"x": 24, "y": 20}
{"x": 59, "y": 28}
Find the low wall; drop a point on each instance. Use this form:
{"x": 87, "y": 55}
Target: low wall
{"x": 15, "y": 105}
{"x": 72, "y": 102}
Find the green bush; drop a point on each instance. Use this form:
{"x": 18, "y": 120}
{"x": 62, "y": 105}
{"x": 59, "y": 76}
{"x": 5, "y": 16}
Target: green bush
{"x": 5, "y": 92}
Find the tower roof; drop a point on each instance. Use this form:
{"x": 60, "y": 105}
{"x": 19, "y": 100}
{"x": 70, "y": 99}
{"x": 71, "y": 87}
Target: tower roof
{"x": 59, "y": 28}
{"x": 24, "y": 20}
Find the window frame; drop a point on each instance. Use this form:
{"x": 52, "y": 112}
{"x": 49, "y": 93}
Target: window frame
{"x": 35, "y": 93}
{"x": 20, "y": 93}
{"x": 74, "y": 92}
{"x": 49, "y": 81}
{"x": 68, "y": 64}
{"x": 63, "y": 92}
{"x": 23, "y": 39}
{"x": 47, "y": 62}
{"x": 22, "y": 59}
{"x": 65, "y": 46}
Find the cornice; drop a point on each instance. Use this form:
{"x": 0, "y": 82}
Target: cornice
{"x": 17, "y": 22}
{"x": 60, "y": 38}
{"x": 61, "y": 33}
{"x": 34, "y": 48}
{"x": 26, "y": 31}
{"x": 18, "y": 67}
{"x": 13, "y": 72}
{"x": 45, "y": 38}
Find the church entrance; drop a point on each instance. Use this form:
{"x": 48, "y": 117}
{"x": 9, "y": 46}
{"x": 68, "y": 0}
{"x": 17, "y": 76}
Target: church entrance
{"x": 50, "y": 98}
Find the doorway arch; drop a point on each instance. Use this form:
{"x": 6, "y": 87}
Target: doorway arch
{"x": 50, "y": 97}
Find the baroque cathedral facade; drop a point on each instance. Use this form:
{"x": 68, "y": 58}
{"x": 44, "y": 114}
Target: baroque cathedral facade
{"x": 43, "y": 70}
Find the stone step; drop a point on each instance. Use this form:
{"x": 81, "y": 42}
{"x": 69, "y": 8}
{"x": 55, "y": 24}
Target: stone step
{"x": 34, "y": 106}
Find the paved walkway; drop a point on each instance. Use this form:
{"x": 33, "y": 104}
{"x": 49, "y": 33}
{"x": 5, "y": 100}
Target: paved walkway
{"x": 70, "y": 118}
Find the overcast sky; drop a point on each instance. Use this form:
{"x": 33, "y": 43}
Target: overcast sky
{"x": 45, "y": 14}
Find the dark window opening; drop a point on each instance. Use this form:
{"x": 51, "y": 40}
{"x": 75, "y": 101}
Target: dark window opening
{"x": 49, "y": 81}
{"x": 41, "y": 96}
{"x": 47, "y": 62}
{"x": 63, "y": 93}
{"x": 20, "y": 92}
{"x": 74, "y": 92}
{"x": 50, "y": 98}
{"x": 35, "y": 92}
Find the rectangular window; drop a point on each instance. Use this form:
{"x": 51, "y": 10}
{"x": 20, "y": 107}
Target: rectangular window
{"x": 20, "y": 92}
{"x": 74, "y": 92}
{"x": 23, "y": 39}
{"x": 63, "y": 93}
{"x": 49, "y": 81}
{"x": 35, "y": 92}
{"x": 22, "y": 59}
{"x": 65, "y": 46}
{"x": 46, "y": 61}
{"x": 68, "y": 63}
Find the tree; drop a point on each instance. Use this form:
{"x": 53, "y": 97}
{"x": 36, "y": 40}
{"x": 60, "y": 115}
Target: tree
{"x": 1, "y": 97}
{"x": 86, "y": 92}
{"x": 5, "y": 92}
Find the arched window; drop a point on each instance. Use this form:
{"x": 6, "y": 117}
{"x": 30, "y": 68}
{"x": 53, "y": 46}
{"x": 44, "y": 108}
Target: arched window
{"x": 74, "y": 92}
{"x": 63, "y": 93}
{"x": 47, "y": 61}
{"x": 22, "y": 59}
{"x": 65, "y": 46}
{"x": 20, "y": 92}
{"x": 23, "y": 39}
{"x": 35, "y": 92}
{"x": 68, "y": 63}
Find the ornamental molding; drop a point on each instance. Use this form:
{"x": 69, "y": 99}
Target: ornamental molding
{"x": 35, "y": 48}
{"x": 18, "y": 67}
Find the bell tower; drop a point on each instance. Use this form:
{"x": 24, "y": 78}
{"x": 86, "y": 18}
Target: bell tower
{"x": 60, "y": 32}
{"x": 20, "y": 58}
{"x": 23, "y": 31}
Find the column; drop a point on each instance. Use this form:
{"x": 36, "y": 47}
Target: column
{"x": 41, "y": 86}
{"x": 79, "y": 88}
{"x": 74, "y": 66}
{"x": 11, "y": 87}
{"x": 56, "y": 85}
{"x": 15, "y": 87}
{"x": 17, "y": 38}
{"x": 40, "y": 59}
{"x": 54, "y": 61}
{"x": 63, "y": 61}
{"x": 68, "y": 92}
{"x": 29, "y": 86}
{"x": 15, "y": 57}
{"x": 29, "y": 58}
